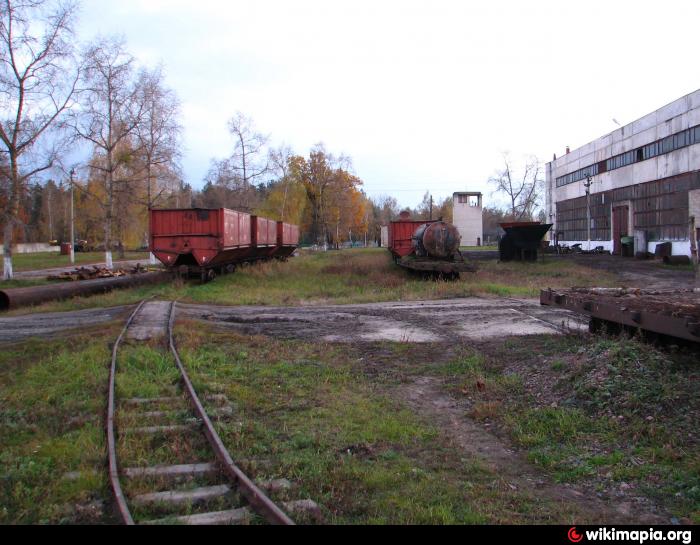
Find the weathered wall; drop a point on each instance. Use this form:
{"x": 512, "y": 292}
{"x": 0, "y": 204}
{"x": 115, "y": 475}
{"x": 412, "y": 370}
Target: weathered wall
{"x": 468, "y": 220}
{"x": 385, "y": 236}
{"x": 663, "y": 207}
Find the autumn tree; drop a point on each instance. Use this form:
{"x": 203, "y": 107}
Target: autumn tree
{"x": 38, "y": 77}
{"x": 524, "y": 190}
{"x": 111, "y": 111}
{"x": 321, "y": 176}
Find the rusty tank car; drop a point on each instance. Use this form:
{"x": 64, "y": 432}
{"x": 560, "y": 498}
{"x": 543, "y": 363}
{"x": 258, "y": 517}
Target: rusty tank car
{"x": 430, "y": 248}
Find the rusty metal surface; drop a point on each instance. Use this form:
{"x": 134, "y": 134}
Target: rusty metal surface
{"x": 212, "y": 238}
{"x": 252, "y": 493}
{"x": 675, "y": 313}
{"x": 401, "y": 236}
{"x": 21, "y": 297}
{"x": 440, "y": 240}
{"x": 120, "y": 500}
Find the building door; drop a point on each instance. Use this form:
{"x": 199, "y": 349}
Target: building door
{"x": 621, "y": 216}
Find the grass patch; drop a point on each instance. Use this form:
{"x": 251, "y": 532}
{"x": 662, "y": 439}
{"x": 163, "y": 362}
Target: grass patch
{"x": 305, "y": 413}
{"x": 607, "y": 411}
{"x": 349, "y": 276}
{"x": 51, "y": 406}
{"x": 50, "y": 260}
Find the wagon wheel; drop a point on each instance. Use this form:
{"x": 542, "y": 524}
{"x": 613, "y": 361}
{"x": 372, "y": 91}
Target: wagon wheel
{"x": 208, "y": 275}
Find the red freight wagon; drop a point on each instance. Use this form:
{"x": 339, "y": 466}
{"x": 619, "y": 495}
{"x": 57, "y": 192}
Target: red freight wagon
{"x": 263, "y": 236}
{"x": 287, "y": 239}
{"x": 202, "y": 241}
{"x": 401, "y": 236}
{"x": 199, "y": 237}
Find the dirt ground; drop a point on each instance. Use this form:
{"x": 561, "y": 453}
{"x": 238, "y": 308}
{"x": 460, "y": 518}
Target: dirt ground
{"x": 428, "y": 397}
{"x": 636, "y": 273}
{"x": 52, "y": 324}
{"x": 410, "y": 322}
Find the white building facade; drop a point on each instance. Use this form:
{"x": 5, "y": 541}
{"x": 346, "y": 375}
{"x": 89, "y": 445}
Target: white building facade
{"x": 644, "y": 181}
{"x": 467, "y": 217}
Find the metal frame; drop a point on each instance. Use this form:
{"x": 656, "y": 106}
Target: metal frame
{"x": 673, "y": 326}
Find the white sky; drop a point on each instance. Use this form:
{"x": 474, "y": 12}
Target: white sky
{"x": 423, "y": 95}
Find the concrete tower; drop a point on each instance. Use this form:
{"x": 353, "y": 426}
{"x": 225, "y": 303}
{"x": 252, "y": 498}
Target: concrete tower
{"x": 467, "y": 217}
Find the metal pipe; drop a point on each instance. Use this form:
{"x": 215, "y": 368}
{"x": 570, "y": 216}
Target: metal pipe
{"x": 22, "y": 297}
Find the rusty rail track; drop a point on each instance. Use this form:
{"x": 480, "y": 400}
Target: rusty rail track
{"x": 257, "y": 499}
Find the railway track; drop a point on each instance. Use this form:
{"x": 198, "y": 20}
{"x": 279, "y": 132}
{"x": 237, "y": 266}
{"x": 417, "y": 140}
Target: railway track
{"x": 205, "y": 486}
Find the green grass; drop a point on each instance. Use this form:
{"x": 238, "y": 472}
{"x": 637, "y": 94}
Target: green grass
{"x": 350, "y": 276}
{"x": 305, "y": 413}
{"x": 51, "y": 406}
{"x": 49, "y": 260}
{"x": 625, "y": 412}
{"x": 493, "y": 248}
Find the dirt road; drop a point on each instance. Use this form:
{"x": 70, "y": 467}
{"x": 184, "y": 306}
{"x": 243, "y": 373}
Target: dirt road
{"x": 18, "y": 328}
{"x": 412, "y": 322}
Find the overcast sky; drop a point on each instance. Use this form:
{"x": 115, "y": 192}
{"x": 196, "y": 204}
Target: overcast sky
{"x": 422, "y": 95}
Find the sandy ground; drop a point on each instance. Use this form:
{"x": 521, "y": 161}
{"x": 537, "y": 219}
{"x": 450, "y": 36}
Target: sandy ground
{"x": 412, "y": 322}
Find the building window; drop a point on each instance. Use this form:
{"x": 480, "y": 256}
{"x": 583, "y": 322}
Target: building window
{"x": 671, "y": 143}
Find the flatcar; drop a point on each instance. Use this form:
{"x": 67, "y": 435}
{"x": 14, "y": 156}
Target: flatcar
{"x": 203, "y": 242}
{"x": 430, "y": 248}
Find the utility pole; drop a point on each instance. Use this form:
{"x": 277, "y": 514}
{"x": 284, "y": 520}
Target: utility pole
{"x": 431, "y": 206}
{"x": 72, "y": 220}
{"x": 587, "y": 184}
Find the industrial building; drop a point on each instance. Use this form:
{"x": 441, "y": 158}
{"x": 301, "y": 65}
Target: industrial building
{"x": 467, "y": 217}
{"x": 644, "y": 183}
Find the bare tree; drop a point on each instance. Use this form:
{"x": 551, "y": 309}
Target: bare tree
{"x": 246, "y": 167}
{"x": 109, "y": 116}
{"x": 523, "y": 190}
{"x": 279, "y": 160}
{"x": 38, "y": 77}
{"x": 158, "y": 137}
{"x": 248, "y": 158}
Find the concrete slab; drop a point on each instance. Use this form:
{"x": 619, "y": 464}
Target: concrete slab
{"x": 173, "y": 471}
{"x": 215, "y": 518}
{"x": 178, "y": 497}
{"x": 151, "y": 322}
